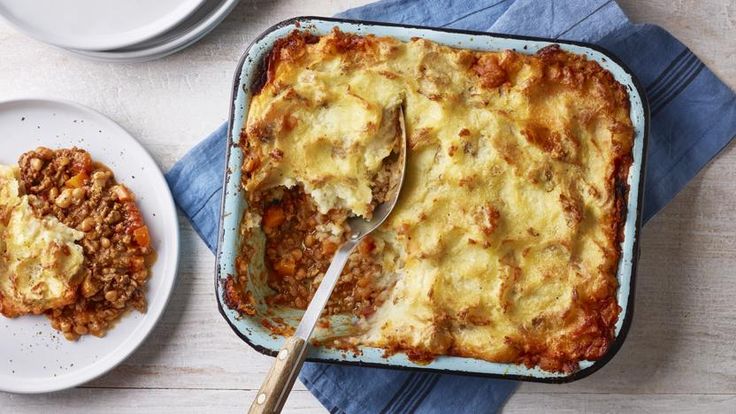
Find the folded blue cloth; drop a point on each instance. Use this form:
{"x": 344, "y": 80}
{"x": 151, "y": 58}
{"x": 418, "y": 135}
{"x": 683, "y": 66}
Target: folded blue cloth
{"x": 693, "y": 118}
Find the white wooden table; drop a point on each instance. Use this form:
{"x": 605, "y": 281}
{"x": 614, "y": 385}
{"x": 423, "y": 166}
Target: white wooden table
{"x": 680, "y": 355}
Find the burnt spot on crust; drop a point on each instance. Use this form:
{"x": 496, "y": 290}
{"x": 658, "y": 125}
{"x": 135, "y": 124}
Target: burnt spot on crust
{"x": 577, "y": 72}
{"x": 561, "y": 145}
{"x": 286, "y": 49}
{"x": 474, "y": 316}
{"x": 594, "y": 335}
{"x": 549, "y": 52}
{"x": 341, "y": 42}
{"x": 237, "y": 298}
{"x": 573, "y": 209}
{"x": 621, "y": 193}
{"x": 490, "y": 72}
{"x": 488, "y": 218}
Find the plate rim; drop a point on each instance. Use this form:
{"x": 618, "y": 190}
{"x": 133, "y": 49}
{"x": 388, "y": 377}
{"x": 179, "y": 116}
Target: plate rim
{"x": 191, "y": 36}
{"x": 108, "y": 42}
{"x": 143, "y": 330}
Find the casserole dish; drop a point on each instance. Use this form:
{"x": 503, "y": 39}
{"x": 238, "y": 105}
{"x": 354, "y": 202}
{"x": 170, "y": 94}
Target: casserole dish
{"x": 257, "y": 334}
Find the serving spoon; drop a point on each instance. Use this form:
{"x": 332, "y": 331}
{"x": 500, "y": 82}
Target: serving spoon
{"x": 280, "y": 379}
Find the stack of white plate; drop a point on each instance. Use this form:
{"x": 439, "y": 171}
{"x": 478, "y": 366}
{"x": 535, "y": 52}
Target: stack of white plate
{"x": 117, "y": 30}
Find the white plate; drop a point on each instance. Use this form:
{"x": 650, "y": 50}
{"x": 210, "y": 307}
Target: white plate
{"x": 194, "y": 28}
{"x": 96, "y": 24}
{"x": 35, "y": 358}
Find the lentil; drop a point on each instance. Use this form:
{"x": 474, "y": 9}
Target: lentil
{"x": 299, "y": 250}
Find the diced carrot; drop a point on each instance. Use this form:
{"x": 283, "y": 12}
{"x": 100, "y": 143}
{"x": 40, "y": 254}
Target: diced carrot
{"x": 81, "y": 162}
{"x": 285, "y": 267}
{"x": 273, "y": 217}
{"x": 141, "y": 236}
{"x": 78, "y": 180}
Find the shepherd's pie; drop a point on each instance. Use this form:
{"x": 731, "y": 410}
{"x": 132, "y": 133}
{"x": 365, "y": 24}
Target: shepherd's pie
{"x": 506, "y": 240}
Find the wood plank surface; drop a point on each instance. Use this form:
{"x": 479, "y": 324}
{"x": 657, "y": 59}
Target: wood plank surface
{"x": 172, "y": 401}
{"x": 680, "y": 355}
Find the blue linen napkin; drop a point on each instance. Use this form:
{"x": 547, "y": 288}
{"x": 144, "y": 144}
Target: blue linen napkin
{"x": 693, "y": 118}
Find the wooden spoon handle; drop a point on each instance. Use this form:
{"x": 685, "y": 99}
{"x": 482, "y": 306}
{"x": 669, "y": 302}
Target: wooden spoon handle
{"x": 277, "y": 385}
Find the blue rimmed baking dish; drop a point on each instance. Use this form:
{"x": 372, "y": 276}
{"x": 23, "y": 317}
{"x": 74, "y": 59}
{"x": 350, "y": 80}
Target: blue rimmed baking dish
{"x": 250, "y": 72}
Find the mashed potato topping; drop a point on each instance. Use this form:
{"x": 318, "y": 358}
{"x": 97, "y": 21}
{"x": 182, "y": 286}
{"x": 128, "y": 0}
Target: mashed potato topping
{"x": 506, "y": 239}
{"x": 39, "y": 257}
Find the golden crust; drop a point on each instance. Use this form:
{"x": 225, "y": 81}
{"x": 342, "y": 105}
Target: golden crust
{"x": 509, "y": 226}
{"x": 40, "y": 261}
